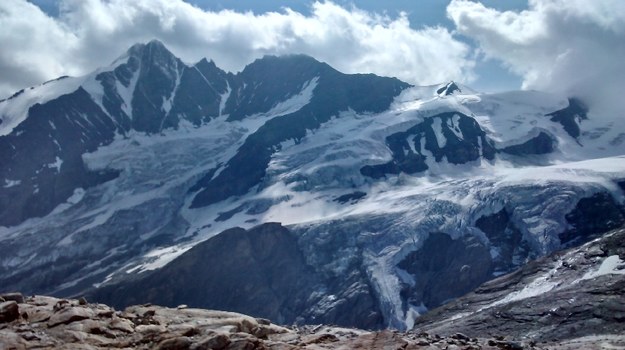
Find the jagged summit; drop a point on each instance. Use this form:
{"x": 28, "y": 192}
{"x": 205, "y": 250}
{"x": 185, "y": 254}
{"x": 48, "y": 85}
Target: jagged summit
{"x": 152, "y": 46}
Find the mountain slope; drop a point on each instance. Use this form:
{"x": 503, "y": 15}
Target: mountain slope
{"x": 370, "y": 177}
{"x": 569, "y": 295}
{"x": 265, "y": 274}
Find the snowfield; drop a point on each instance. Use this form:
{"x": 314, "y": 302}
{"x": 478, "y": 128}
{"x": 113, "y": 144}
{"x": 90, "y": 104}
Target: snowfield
{"x": 305, "y": 178}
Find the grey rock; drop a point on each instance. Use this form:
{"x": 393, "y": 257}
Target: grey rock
{"x": 472, "y": 145}
{"x": 177, "y": 343}
{"x": 542, "y": 143}
{"x": 543, "y": 301}
{"x": 9, "y": 311}
{"x": 17, "y": 297}
{"x": 278, "y": 284}
{"x": 150, "y": 329}
{"x": 69, "y": 315}
{"x": 242, "y": 344}
{"x": 121, "y": 324}
{"x": 215, "y": 342}
{"x": 446, "y": 269}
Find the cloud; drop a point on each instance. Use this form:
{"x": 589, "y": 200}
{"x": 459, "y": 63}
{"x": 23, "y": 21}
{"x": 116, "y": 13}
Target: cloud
{"x": 92, "y": 33}
{"x": 574, "y": 47}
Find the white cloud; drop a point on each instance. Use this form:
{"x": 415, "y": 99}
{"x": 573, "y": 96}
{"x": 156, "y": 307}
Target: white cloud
{"x": 91, "y": 33}
{"x": 575, "y": 47}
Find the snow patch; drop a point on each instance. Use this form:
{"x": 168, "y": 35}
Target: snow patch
{"x": 56, "y": 165}
{"x": 126, "y": 93}
{"x": 159, "y": 258}
{"x": 14, "y": 110}
{"x": 167, "y": 103}
{"x": 437, "y": 126}
{"x": 296, "y": 102}
{"x": 223, "y": 98}
{"x": 11, "y": 183}
{"x": 612, "y": 265}
{"x": 539, "y": 286}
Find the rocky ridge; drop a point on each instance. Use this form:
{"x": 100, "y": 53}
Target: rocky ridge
{"x": 576, "y": 294}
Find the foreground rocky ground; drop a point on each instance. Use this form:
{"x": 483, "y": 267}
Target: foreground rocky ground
{"x": 41, "y": 322}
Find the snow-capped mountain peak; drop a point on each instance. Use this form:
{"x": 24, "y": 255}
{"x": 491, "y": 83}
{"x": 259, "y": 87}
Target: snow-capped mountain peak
{"x": 109, "y": 176}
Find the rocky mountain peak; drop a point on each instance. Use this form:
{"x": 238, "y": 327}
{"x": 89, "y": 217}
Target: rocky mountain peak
{"x": 448, "y": 89}
{"x": 153, "y": 48}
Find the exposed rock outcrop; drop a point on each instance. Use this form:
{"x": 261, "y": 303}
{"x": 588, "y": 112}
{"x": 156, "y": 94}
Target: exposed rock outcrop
{"x": 575, "y": 296}
{"x": 445, "y": 269}
{"x": 591, "y": 216}
{"x": 540, "y": 144}
{"x": 448, "y": 89}
{"x": 453, "y": 135}
{"x": 571, "y": 116}
{"x": 265, "y": 274}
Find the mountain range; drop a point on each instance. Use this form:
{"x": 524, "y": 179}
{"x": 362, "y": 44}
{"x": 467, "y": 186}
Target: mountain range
{"x": 309, "y": 195}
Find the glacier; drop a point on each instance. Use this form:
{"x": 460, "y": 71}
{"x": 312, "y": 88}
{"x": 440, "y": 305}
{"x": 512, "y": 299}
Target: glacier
{"x": 143, "y": 219}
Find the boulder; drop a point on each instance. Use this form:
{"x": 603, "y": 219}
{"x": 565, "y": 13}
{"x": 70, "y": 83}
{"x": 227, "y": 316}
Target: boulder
{"x": 17, "y": 297}
{"x": 69, "y": 315}
{"x": 215, "y": 342}
{"x": 9, "y": 311}
{"x": 177, "y": 343}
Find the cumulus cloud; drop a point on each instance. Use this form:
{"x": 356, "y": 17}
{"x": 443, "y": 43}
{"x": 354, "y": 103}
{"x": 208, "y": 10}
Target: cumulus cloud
{"x": 574, "y": 47}
{"x": 92, "y": 33}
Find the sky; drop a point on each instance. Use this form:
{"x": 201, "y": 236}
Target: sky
{"x": 572, "y": 47}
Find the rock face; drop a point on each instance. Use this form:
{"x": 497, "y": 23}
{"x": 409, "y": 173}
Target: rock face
{"x": 593, "y": 215}
{"x": 506, "y": 240}
{"x": 448, "y": 89}
{"x": 540, "y": 144}
{"x": 266, "y": 275}
{"x": 454, "y": 136}
{"x": 571, "y": 116}
{"x": 444, "y": 269}
{"x": 44, "y": 153}
{"x": 572, "y": 295}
